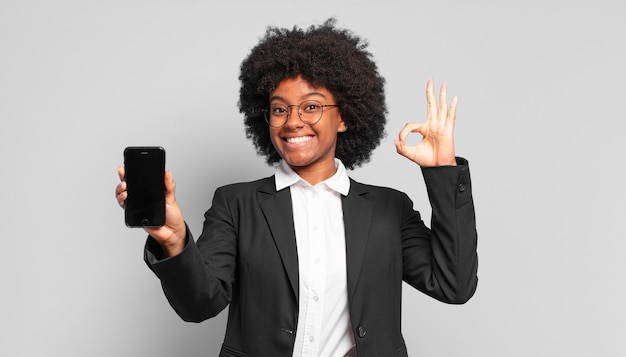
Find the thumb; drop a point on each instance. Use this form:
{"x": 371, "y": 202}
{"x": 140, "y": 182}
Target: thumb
{"x": 170, "y": 188}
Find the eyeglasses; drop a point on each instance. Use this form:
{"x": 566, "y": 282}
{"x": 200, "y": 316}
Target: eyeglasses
{"x": 310, "y": 112}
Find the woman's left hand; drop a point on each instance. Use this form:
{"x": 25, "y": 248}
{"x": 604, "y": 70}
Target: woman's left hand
{"x": 437, "y": 146}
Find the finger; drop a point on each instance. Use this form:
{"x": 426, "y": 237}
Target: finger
{"x": 399, "y": 145}
{"x": 443, "y": 102}
{"x": 121, "y": 172}
{"x": 121, "y": 194}
{"x": 409, "y": 128}
{"x": 430, "y": 99}
{"x": 121, "y": 199}
{"x": 453, "y": 106}
{"x": 401, "y": 148}
{"x": 121, "y": 187}
{"x": 451, "y": 116}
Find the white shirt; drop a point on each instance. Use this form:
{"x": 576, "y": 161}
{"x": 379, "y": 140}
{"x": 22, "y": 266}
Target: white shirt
{"x": 324, "y": 328}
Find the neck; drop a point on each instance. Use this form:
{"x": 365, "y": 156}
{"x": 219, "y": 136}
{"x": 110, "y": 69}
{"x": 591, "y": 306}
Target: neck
{"x": 315, "y": 175}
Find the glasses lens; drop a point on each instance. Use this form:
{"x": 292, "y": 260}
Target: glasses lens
{"x": 310, "y": 111}
{"x": 276, "y": 115}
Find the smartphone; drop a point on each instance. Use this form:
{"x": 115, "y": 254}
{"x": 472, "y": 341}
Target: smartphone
{"x": 144, "y": 173}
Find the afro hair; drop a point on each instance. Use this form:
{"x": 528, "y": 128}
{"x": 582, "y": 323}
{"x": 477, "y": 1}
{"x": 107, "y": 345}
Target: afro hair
{"x": 325, "y": 56}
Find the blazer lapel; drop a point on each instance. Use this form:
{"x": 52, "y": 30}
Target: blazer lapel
{"x": 278, "y": 212}
{"x": 357, "y": 212}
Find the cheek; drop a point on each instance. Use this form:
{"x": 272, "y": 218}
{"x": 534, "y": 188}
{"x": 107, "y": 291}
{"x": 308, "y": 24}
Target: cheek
{"x": 274, "y": 138}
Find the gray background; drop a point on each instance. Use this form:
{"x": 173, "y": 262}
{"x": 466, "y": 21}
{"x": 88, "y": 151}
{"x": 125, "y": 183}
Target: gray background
{"x": 541, "y": 87}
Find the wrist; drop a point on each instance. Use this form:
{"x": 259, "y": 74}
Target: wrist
{"x": 172, "y": 250}
{"x": 174, "y": 245}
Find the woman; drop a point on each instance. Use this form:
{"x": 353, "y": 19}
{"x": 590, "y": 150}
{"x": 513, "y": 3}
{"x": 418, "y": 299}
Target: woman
{"x": 310, "y": 261}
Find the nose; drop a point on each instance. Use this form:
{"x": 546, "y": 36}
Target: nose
{"x": 293, "y": 119}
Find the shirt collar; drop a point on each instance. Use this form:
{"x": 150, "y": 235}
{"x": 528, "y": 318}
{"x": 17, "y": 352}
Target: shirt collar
{"x": 339, "y": 182}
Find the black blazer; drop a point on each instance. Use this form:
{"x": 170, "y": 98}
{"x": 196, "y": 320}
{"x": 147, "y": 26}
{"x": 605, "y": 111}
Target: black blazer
{"x": 247, "y": 257}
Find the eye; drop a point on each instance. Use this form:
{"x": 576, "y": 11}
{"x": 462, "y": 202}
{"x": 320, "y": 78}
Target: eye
{"x": 310, "y": 107}
{"x": 278, "y": 110}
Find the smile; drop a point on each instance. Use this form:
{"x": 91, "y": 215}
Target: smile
{"x": 299, "y": 139}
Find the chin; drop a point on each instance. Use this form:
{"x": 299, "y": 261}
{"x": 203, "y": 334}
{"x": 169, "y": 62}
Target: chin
{"x": 298, "y": 163}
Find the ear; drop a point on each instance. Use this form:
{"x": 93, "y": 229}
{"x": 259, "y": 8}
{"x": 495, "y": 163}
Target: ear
{"x": 342, "y": 128}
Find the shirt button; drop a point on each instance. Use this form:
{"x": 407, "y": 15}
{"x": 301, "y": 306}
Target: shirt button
{"x": 315, "y": 298}
{"x": 311, "y": 338}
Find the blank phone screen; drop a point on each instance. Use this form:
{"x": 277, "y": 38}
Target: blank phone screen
{"x": 144, "y": 173}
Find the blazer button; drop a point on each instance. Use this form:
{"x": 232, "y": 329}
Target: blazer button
{"x": 461, "y": 187}
{"x": 361, "y": 332}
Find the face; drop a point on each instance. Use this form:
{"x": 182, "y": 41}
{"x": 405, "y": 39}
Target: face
{"x": 307, "y": 149}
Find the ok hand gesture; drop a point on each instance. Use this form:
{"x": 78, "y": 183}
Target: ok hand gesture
{"x": 437, "y": 146}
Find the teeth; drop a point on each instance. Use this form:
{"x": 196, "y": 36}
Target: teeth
{"x": 298, "y": 140}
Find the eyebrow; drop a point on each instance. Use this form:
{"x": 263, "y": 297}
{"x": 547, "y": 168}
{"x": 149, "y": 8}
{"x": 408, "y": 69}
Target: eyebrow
{"x": 306, "y": 96}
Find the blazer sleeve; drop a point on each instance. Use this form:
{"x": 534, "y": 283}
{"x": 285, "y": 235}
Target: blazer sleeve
{"x": 198, "y": 282}
{"x": 443, "y": 261}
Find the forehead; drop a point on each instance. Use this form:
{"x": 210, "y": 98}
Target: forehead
{"x": 298, "y": 88}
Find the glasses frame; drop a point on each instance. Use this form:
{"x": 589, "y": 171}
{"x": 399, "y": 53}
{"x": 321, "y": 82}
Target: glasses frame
{"x": 267, "y": 113}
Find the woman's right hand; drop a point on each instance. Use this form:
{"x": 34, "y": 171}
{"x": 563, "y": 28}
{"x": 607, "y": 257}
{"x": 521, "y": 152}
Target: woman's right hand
{"x": 170, "y": 236}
